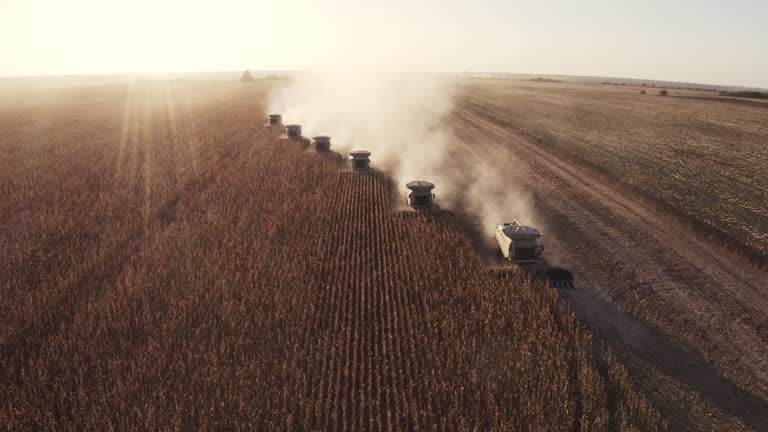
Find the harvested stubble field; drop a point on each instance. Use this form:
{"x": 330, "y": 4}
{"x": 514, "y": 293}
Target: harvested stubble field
{"x": 170, "y": 263}
{"x": 688, "y": 316}
{"x": 704, "y": 158}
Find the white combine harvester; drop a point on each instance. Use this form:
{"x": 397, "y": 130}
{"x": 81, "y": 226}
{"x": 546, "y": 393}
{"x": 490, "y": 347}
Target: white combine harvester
{"x": 522, "y": 245}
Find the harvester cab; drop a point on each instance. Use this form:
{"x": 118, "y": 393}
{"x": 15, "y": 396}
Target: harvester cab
{"x": 521, "y": 245}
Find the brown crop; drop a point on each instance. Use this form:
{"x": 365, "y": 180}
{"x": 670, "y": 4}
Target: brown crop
{"x": 170, "y": 263}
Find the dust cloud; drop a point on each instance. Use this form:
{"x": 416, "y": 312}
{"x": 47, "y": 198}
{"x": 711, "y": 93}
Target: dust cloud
{"x": 404, "y": 120}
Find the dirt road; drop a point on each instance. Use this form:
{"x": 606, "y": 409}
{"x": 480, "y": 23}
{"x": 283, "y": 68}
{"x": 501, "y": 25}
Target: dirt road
{"x": 688, "y": 317}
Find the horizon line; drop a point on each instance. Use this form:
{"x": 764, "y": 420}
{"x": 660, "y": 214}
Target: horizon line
{"x": 293, "y": 71}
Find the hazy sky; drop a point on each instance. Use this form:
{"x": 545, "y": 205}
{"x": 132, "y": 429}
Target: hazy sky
{"x": 719, "y": 42}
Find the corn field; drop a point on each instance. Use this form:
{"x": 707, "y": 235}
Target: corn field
{"x": 171, "y": 263}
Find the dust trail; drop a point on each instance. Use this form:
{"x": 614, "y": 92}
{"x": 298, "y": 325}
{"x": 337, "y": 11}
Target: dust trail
{"x": 406, "y": 122}
{"x": 494, "y": 197}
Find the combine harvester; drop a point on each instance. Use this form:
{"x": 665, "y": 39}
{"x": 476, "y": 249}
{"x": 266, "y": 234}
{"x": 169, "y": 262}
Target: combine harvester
{"x": 293, "y": 131}
{"x": 520, "y": 244}
{"x": 275, "y": 120}
{"x": 360, "y": 160}
{"x": 421, "y": 196}
{"x": 322, "y": 143}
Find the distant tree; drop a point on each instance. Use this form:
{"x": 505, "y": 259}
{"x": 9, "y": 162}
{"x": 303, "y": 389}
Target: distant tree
{"x": 663, "y": 92}
{"x": 745, "y": 94}
{"x": 247, "y": 77}
{"x": 645, "y": 85}
{"x": 547, "y": 80}
{"x": 642, "y": 91}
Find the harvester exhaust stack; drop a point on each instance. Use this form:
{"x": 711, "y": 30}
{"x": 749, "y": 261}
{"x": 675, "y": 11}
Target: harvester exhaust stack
{"x": 421, "y": 195}
{"x": 275, "y": 119}
{"x": 322, "y": 143}
{"x": 360, "y": 160}
{"x": 294, "y": 131}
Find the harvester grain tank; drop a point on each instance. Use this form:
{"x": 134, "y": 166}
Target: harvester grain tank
{"x": 275, "y": 119}
{"x": 522, "y": 245}
{"x": 519, "y": 243}
{"x": 421, "y": 195}
{"x": 360, "y": 160}
{"x": 293, "y": 130}
{"x": 322, "y": 143}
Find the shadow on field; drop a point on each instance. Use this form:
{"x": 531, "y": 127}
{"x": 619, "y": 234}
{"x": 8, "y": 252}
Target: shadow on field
{"x": 677, "y": 360}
